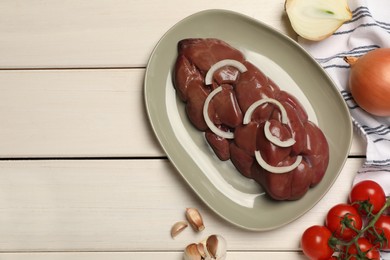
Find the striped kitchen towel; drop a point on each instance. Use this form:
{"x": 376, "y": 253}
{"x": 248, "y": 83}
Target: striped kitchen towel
{"x": 368, "y": 29}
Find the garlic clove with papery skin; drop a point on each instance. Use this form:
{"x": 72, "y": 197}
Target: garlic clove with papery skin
{"x": 215, "y": 247}
{"x": 203, "y": 251}
{"x": 195, "y": 219}
{"x": 191, "y": 252}
{"x": 178, "y": 227}
{"x": 317, "y": 19}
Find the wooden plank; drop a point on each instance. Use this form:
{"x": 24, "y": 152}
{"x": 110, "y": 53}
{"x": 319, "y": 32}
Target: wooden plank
{"x": 146, "y": 256}
{"x": 67, "y": 113}
{"x": 73, "y": 113}
{"x": 124, "y": 205}
{"x": 103, "y": 33}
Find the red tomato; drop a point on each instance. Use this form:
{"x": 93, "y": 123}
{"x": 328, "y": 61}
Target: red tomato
{"x": 368, "y": 191}
{"x": 382, "y": 227}
{"x": 369, "y": 251}
{"x": 341, "y": 218}
{"x": 314, "y": 243}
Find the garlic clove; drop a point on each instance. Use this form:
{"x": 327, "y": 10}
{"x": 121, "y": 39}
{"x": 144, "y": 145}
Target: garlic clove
{"x": 178, "y": 227}
{"x": 212, "y": 248}
{"x": 317, "y": 19}
{"x": 195, "y": 219}
{"x": 203, "y": 251}
{"x": 191, "y": 252}
{"x": 216, "y": 246}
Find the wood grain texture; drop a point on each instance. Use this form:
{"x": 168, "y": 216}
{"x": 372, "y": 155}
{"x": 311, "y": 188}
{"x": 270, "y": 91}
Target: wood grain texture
{"x": 146, "y": 256}
{"x": 124, "y": 205}
{"x": 71, "y": 88}
{"x": 103, "y": 33}
{"x": 79, "y": 113}
{"x": 68, "y": 113}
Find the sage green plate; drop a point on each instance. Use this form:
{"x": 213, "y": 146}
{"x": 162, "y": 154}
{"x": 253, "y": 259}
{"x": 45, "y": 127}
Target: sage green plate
{"x": 235, "y": 198}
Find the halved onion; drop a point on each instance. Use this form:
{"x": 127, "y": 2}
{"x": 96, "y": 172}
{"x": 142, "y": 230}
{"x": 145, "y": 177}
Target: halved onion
{"x": 249, "y": 112}
{"x": 317, "y": 19}
{"x": 276, "y": 169}
{"x": 220, "y": 64}
{"x": 273, "y": 139}
{"x": 210, "y": 124}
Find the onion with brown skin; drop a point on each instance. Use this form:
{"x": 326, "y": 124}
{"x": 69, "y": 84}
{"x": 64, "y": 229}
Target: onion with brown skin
{"x": 369, "y": 81}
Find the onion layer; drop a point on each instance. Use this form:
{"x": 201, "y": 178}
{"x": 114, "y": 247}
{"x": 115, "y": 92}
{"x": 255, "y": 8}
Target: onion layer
{"x": 251, "y": 109}
{"x": 273, "y": 139}
{"x": 220, "y": 64}
{"x": 276, "y": 169}
{"x": 210, "y": 124}
{"x": 369, "y": 81}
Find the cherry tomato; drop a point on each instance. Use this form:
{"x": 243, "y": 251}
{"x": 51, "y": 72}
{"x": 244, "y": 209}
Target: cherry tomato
{"x": 382, "y": 227}
{"x": 314, "y": 243}
{"x": 340, "y": 217}
{"x": 370, "y": 192}
{"x": 368, "y": 250}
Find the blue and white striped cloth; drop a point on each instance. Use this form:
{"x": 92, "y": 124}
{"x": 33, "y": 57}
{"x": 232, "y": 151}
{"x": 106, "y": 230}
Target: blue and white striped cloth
{"x": 368, "y": 29}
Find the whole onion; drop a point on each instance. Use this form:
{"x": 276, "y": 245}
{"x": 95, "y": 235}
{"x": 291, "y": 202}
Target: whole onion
{"x": 369, "y": 81}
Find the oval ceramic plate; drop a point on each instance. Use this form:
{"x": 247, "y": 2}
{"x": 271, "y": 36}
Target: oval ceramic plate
{"x": 235, "y": 198}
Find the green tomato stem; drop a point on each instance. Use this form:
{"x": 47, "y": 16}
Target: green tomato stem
{"x": 334, "y": 242}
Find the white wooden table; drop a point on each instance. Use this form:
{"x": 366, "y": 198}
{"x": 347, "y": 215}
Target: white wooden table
{"x": 82, "y": 175}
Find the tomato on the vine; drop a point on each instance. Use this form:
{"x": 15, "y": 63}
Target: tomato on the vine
{"x": 368, "y": 250}
{"x": 315, "y": 243}
{"x": 382, "y": 228}
{"x": 342, "y": 220}
{"x": 370, "y": 194}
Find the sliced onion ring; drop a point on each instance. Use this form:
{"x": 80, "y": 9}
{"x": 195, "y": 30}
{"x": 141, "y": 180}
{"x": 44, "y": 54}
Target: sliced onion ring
{"x": 210, "y": 124}
{"x": 249, "y": 112}
{"x": 273, "y": 139}
{"x": 220, "y": 64}
{"x": 276, "y": 169}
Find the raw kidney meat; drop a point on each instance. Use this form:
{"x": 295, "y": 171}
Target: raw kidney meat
{"x": 248, "y": 119}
